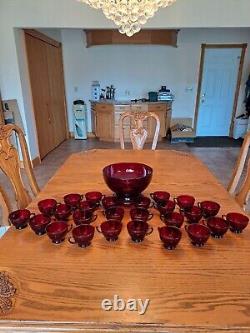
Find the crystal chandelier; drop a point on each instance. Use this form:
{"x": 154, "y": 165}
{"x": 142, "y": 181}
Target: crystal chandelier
{"x": 129, "y": 15}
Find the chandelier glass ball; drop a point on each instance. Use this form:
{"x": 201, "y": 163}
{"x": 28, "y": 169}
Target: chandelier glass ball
{"x": 128, "y": 15}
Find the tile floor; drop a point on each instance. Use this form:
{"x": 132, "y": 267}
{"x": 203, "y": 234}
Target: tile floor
{"x": 219, "y": 160}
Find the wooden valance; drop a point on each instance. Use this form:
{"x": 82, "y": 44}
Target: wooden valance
{"x": 111, "y": 37}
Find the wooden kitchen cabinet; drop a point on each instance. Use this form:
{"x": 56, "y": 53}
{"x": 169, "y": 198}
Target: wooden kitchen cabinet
{"x": 104, "y": 122}
{"x": 106, "y": 116}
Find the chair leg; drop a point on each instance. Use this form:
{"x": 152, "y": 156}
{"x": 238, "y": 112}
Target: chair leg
{"x": 5, "y": 208}
{"x": 243, "y": 194}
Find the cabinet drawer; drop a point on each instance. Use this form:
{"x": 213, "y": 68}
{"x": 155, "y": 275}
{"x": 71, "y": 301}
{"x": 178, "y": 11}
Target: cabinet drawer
{"x": 157, "y": 107}
{"x": 122, "y": 108}
{"x": 139, "y": 107}
{"x": 104, "y": 107}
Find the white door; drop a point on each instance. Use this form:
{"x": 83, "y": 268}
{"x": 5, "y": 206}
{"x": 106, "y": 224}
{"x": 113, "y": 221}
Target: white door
{"x": 220, "y": 75}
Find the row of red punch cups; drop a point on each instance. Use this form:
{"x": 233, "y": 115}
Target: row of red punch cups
{"x": 54, "y": 216}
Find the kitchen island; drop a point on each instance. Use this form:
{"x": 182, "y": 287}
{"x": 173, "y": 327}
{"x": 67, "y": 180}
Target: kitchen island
{"x": 106, "y": 114}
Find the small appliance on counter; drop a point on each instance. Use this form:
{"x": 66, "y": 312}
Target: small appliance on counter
{"x": 95, "y": 91}
{"x": 165, "y": 94}
{"x": 153, "y": 96}
{"x": 140, "y": 100}
{"x": 80, "y": 119}
{"x": 110, "y": 92}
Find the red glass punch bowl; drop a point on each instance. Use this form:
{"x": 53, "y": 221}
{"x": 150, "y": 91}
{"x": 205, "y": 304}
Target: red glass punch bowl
{"x": 127, "y": 180}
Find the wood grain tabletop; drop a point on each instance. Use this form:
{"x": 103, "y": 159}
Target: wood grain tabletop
{"x": 59, "y": 288}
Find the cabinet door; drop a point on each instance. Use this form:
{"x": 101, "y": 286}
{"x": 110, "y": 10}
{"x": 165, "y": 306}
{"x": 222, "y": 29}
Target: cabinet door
{"x": 39, "y": 79}
{"x": 57, "y": 107}
{"x": 160, "y": 110}
{"x": 105, "y": 125}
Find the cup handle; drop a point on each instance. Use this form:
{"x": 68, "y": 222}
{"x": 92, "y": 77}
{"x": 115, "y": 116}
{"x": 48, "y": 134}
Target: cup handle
{"x": 152, "y": 195}
{"x": 70, "y": 227}
{"x": 98, "y": 229}
{"x": 152, "y": 205}
{"x": 181, "y": 211}
{"x": 225, "y": 219}
{"x": 150, "y": 216}
{"x": 162, "y": 217}
{"x": 150, "y": 230}
{"x": 71, "y": 240}
{"x": 94, "y": 217}
{"x": 155, "y": 205}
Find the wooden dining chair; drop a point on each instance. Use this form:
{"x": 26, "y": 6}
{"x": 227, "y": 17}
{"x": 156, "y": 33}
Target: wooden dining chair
{"x": 5, "y": 208}
{"x": 10, "y": 164}
{"x": 241, "y": 195}
{"x": 138, "y": 134}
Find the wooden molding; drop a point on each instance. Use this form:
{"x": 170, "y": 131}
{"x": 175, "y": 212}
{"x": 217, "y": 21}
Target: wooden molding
{"x": 112, "y": 36}
{"x": 41, "y": 36}
{"x": 237, "y": 91}
{"x": 197, "y": 105}
{"x": 224, "y": 46}
{"x": 35, "y": 162}
{"x": 91, "y": 135}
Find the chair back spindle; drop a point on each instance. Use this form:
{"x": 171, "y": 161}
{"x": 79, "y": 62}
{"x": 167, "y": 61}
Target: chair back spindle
{"x": 10, "y": 164}
{"x": 138, "y": 134}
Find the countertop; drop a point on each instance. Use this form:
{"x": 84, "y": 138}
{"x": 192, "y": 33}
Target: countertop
{"x": 123, "y": 102}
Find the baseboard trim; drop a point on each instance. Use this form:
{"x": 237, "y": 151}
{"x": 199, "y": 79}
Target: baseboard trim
{"x": 35, "y": 162}
{"x": 90, "y": 135}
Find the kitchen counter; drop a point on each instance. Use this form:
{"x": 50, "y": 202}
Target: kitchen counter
{"x": 106, "y": 115}
{"x": 128, "y": 102}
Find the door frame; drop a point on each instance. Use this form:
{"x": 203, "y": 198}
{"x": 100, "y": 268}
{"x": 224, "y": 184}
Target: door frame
{"x": 39, "y": 35}
{"x": 204, "y": 47}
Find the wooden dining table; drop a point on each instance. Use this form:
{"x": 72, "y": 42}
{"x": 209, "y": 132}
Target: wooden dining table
{"x": 60, "y": 288}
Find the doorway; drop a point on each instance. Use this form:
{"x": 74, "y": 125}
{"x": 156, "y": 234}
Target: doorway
{"x": 218, "y": 89}
{"x": 47, "y": 85}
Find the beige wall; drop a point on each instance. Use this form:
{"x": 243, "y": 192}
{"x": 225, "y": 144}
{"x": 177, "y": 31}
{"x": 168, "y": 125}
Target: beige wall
{"x": 72, "y": 14}
{"x": 140, "y": 69}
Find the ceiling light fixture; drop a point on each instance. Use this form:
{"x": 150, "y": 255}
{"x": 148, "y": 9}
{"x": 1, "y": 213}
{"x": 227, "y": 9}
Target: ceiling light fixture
{"x": 129, "y": 15}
